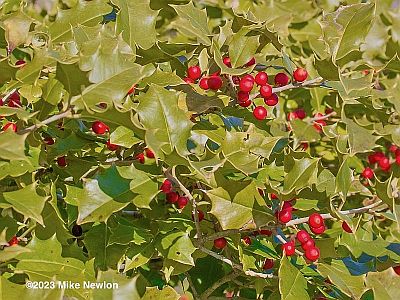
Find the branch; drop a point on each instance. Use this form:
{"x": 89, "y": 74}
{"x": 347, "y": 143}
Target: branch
{"x": 229, "y": 232}
{"x": 173, "y": 178}
{"x": 343, "y": 212}
{"x": 192, "y": 287}
{"x": 218, "y": 283}
{"x": 283, "y": 241}
{"x": 65, "y": 114}
{"x": 327, "y": 116}
{"x": 309, "y": 83}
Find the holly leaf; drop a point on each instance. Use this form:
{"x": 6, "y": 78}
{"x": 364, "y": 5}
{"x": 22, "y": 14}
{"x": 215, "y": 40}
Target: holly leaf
{"x": 292, "y": 284}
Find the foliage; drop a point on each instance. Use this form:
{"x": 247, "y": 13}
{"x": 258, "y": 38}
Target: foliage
{"x": 82, "y": 202}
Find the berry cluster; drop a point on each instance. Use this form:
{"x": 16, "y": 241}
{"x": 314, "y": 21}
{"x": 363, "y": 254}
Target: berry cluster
{"x": 382, "y": 160}
{"x": 14, "y": 101}
{"x": 172, "y": 196}
{"x": 248, "y": 87}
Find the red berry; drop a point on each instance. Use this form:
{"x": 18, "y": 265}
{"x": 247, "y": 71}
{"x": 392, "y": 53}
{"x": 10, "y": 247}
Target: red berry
{"x": 329, "y": 110}
{"x": 166, "y": 186}
{"x": 13, "y": 241}
{"x": 200, "y": 215}
{"x": 273, "y": 196}
{"x": 140, "y": 158}
{"x": 260, "y": 113}
{"x": 214, "y": 82}
{"x": 266, "y": 91}
{"x": 249, "y": 77}
{"x": 132, "y": 90}
{"x": 310, "y": 243}
{"x": 14, "y": 103}
{"x": 303, "y": 236}
{"x": 236, "y": 79}
{"x": 149, "y": 153}
{"x": 384, "y": 163}
{"x": 315, "y": 220}
{"x": 376, "y": 157}
{"x": 301, "y": 114}
{"x": 111, "y": 147}
{"x": 367, "y": 173}
{"x": 281, "y": 79}
{"x": 62, "y": 161}
{"x": 220, "y": 243}
{"x": 285, "y": 216}
{"x": 243, "y": 96}
{"x": 246, "y": 240}
{"x": 292, "y": 116}
{"x": 268, "y": 264}
{"x": 48, "y": 140}
{"x": 319, "y": 124}
{"x": 346, "y": 227}
{"x": 265, "y": 232}
{"x": 312, "y": 253}
{"x": 289, "y": 248}
{"x": 12, "y": 126}
{"x": 20, "y": 62}
{"x": 172, "y": 197}
{"x": 261, "y": 78}
{"x": 1, "y": 102}
{"x": 271, "y": 101}
{"x": 393, "y": 148}
{"x": 246, "y": 85}
{"x": 99, "y": 127}
{"x": 287, "y": 205}
{"x": 194, "y": 72}
{"x": 300, "y": 74}
{"x": 227, "y": 62}
{"x": 245, "y": 103}
{"x": 396, "y": 269}
{"x": 182, "y": 202}
{"x": 188, "y": 80}
{"x": 398, "y": 160}
{"x": 318, "y": 230}
{"x": 251, "y": 62}
{"x": 204, "y": 83}
{"x": 304, "y": 146}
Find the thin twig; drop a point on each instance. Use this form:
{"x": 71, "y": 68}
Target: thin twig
{"x": 327, "y": 116}
{"x": 343, "y": 212}
{"x": 283, "y": 241}
{"x": 218, "y": 283}
{"x": 192, "y": 287}
{"x": 309, "y": 83}
{"x": 5, "y": 98}
{"x": 65, "y": 114}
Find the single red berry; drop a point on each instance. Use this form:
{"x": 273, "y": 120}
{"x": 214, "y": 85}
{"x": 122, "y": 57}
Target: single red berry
{"x": 1, "y": 102}
{"x": 376, "y": 157}
{"x": 287, "y": 205}
{"x": 172, "y": 197}
{"x": 312, "y": 253}
{"x": 398, "y": 160}
{"x": 20, "y": 62}
{"x": 261, "y": 78}
{"x": 249, "y": 77}
{"x": 303, "y": 236}
{"x": 194, "y": 72}
{"x": 166, "y": 186}
{"x": 367, "y": 173}
{"x": 220, "y": 243}
{"x": 48, "y": 140}
{"x": 301, "y": 114}
{"x": 10, "y": 126}
{"x": 393, "y": 148}
{"x": 346, "y": 227}
{"x": 318, "y": 125}
{"x": 300, "y": 74}
{"x": 149, "y": 153}
{"x": 396, "y": 269}
{"x": 281, "y": 79}
{"x": 243, "y": 96}
{"x": 245, "y": 103}
{"x": 260, "y": 113}
{"x": 140, "y": 158}
{"x": 246, "y": 85}
{"x": 266, "y": 91}
{"x": 246, "y": 240}
{"x": 188, "y": 80}
{"x": 289, "y": 248}
{"x": 268, "y": 264}
{"x": 272, "y": 100}
{"x": 200, "y": 215}
{"x": 292, "y": 116}
{"x": 111, "y": 147}
{"x": 397, "y": 153}
{"x": 227, "y": 62}
{"x": 306, "y": 245}
{"x": 315, "y": 220}
{"x": 182, "y": 202}
{"x": 214, "y": 82}
{"x": 251, "y": 62}
{"x": 318, "y": 230}
{"x": 132, "y": 90}
{"x": 204, "y": 83}
{"x": 285, "y": 216}
{"x": 273, "y": 196}
{"x": 265, "y": 232}
{"x": 62, "y": 161}
{"x": 13, "y": 241}
{"x": 304, "y": 146}
{"x": 384, "y": 164}
{"x": 99, "y": 127}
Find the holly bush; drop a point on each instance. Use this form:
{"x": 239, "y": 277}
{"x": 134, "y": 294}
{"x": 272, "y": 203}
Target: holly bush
{"x": 200, "y": 149}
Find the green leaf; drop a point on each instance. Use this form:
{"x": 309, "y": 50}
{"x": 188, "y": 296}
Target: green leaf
{"x": 384, "y": 284}
{"x": 177, "y": 246}
{"x": 344, "y": 178}
{"x": 12, "y": 145}
{"x": 27, "y": 202}
{"x": 302, "y": 174}
{"x": 292, "y": 284}
{"x": 124, "y": 137}
{"x": 167, "y": 127}
{"x": 137, "y": 22}
{"x": 16, "y": 28}
{"x": 138, "y": 255}
{"x": 167, "y": 293}
{"x": 242, "y": 47}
